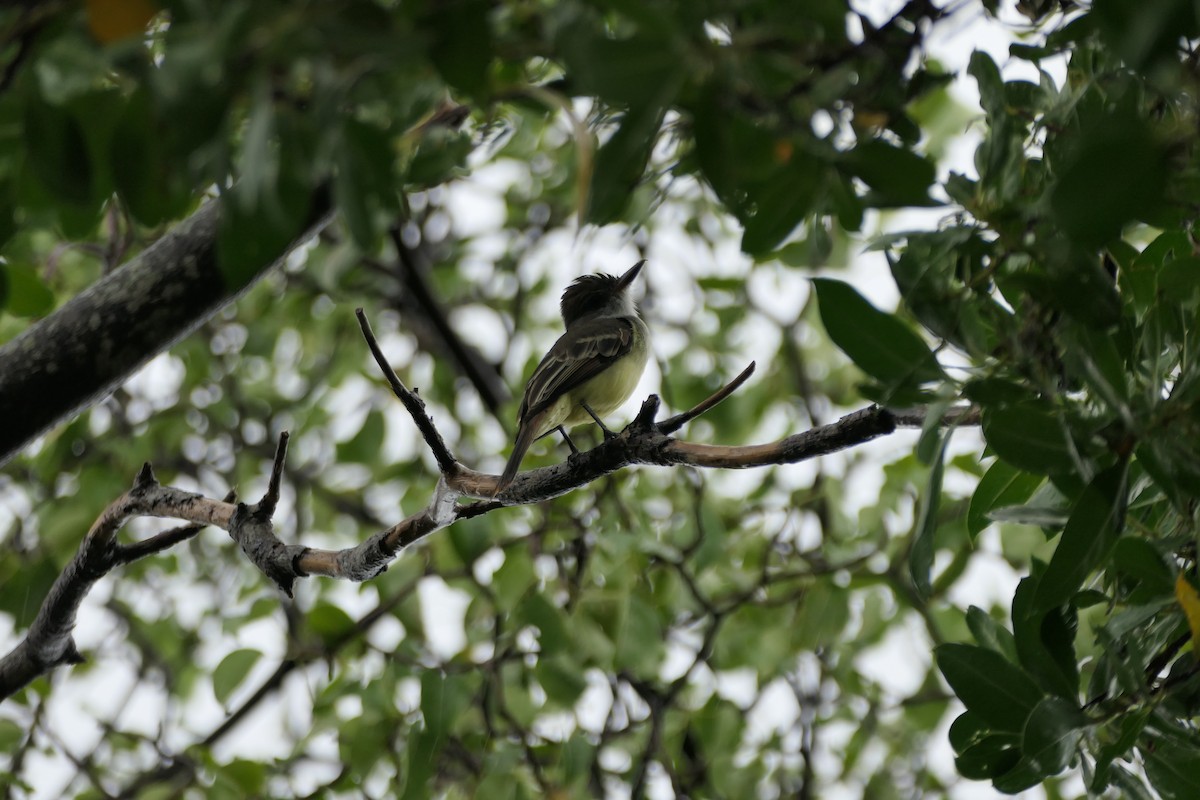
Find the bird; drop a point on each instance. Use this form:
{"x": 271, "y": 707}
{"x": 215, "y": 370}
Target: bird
{"x": 592, "y": 368}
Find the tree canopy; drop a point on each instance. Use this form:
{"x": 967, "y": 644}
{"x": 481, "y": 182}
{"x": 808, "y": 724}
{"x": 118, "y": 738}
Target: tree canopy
{"x": 195, "y": 197}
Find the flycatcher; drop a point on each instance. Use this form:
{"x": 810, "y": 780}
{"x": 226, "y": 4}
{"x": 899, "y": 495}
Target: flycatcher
{"x": 592, "y": 368}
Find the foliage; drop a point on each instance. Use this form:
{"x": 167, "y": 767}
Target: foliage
{"x": 710, "y": 636}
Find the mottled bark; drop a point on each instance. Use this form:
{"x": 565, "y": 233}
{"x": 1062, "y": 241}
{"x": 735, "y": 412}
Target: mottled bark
{"x": 82, "y": 351}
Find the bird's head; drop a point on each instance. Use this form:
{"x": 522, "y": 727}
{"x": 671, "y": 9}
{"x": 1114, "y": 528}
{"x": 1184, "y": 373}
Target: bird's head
{"x": 600, "y": 294}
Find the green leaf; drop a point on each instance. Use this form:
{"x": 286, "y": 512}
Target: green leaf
{"x": 536, "y": 610}
{"x": 254, "y": 232}
{"x": 364, "y": 446}
{"x": 243, "y": 777}
{"x": 991, "y": 84}
{"x": 147, "y": 178}
{"x": 878, "y": 343}
{"x": 27, "y": 295}
{"x": 440, "y": 156}
{"x": 1045, "y": 640}
{"x": 989, "y": 757}
{"x": 1096, "y": 520}
{"x": 443, "y": 698}
{"x": 622, "y": 72}
{"x": 989, "y": 685}
{"x": 329, "y": 622}
{"x": 365, "y": 181}
{"x": 56, "y": 145}
{"x": 1173, "y": 770}
{"x": 514, "y": 577}
{"x": 561, "y": 678}
{"x": 460, "y": 42}
{"x": 1116, "y": 174}
{"x": 621, "y": 163}
{"x": 1029, "y": 436}
{"x": 920, "y": 557}
{"x": 1138, "y": 558}
{"x": 822, "y": 616}
{"x": 777, "y": 205}
{"x": 232, "y": 670}
{"x": 990, "y": 633}
{"x": 11, "y": 735}
{"x": 897, "y": 176}
{"x": 640, "y": 640}
{"x": 1002, "y": 485}
{"x": 1051, "y": 735}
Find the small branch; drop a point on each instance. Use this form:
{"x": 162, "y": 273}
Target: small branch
{"x": 157, "y": 543}
{"x": 251, "y": 527}
{"x": 669, "y": 426}
{"x": 957, "y": 415}
{"x": 415, "y": 405}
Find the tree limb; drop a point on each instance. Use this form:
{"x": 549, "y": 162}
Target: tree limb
{"x": 83, "y": 350}
{"x": 49, "y": 644}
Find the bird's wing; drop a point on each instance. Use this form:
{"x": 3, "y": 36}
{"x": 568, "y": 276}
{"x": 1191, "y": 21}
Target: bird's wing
{"x": 579, "y": 355}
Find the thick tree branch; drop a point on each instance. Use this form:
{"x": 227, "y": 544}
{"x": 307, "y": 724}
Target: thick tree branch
{"x": 644, "y": 441}
{"x": 83, "y": 350}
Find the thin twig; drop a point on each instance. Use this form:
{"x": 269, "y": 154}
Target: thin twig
{"x": 669, "y": 426}
{"x": 446, "y": 461}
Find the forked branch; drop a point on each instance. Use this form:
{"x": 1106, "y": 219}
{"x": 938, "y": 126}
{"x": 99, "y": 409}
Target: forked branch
{"x": 49, "y": 643}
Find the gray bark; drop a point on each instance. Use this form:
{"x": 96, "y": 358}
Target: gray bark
{"x": 82, "y": 351}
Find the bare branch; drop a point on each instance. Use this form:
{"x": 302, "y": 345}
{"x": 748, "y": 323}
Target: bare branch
{"x": 415, "y": 405}
{"x": 669, "y": 426}
{"x": 49, "y": 642}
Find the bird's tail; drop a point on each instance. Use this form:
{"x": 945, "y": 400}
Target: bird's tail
{"x": 525, "y": 437}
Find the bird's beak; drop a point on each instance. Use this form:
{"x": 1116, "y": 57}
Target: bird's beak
{"x": 625, "y": 280}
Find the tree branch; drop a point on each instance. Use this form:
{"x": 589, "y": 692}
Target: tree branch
{"x": 106, "y": 332}
{"x": 49, "y": 644}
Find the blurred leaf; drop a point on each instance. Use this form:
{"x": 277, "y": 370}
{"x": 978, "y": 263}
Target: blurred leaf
{"x": 232, "y": 670}
{"x": 460, "y": 42}
{"x": 1173, "y": 770}
{"x": 878, "y": 343}
{"x": 329, "y": 622}
{"x": 920, "y": 557}
{"x": 1029, "y": 436}
{"x": 443, "y": 698}
{"x": 1116, "y": 174}
{"x": 113, "y": 20}
{"x": 779, "y": 204}
{"x": 27, "y": 296}
{"x": 365, "y": 180}
{"x": 561, "y": 678}
{"x": 625, "y": 72}
{"x": 897, "y": 176}
{"x": 536, "y": 610}
{"x": 364, "y": 446}
{"x": 11, "y": 735}
{"x": 621, "y": 163}
{"x": 1051, "y": 735}
{"x": 58, "y": 154}
{"x": 1189, "y": 601}
{"x": 144, "y": 173}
